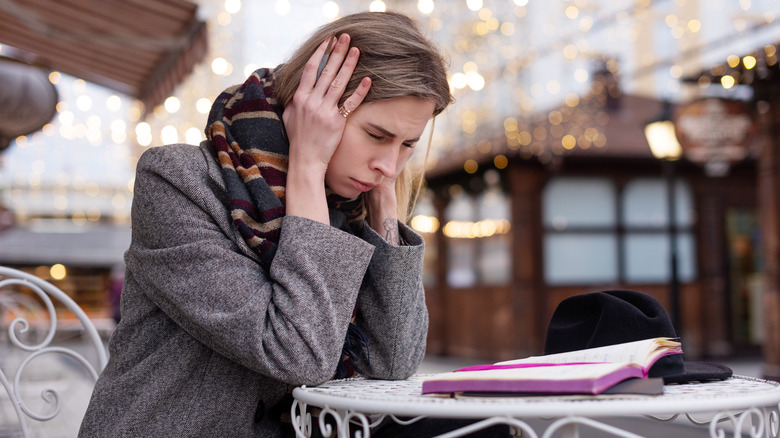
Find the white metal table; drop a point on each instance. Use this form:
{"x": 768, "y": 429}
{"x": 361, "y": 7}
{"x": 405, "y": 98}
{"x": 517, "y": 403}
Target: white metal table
{"x": 734, "y": 405}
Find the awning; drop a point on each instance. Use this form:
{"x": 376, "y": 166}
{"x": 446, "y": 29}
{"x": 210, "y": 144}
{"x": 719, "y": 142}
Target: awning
{"x": 623, "y": 134}
{"x": 759, "y": 69}
{"x": 50, "y": 241}
{"x": 142, "y": 48}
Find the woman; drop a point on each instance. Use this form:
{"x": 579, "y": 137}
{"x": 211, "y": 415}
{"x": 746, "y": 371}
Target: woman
{"x": 275, "y": 254}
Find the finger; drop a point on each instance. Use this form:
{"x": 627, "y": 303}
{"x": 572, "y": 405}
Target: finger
{"x": 311, "y": 70}
{"x": 339, "y": 84}
{"x": 334, "y": 63}
{"x": 353, "y": 101}
{"x": 325, "y": 56}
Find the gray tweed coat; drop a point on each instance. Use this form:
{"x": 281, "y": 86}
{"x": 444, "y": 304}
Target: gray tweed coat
{"x": 210, "y": 342}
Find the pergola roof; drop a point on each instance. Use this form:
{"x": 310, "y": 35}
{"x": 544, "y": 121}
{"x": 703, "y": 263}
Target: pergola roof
{"x": 142, "y": 48}
{"x": 624, "y": 132}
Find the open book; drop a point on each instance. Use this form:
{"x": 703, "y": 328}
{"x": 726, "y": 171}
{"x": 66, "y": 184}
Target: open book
{"x": 590, "y": 371}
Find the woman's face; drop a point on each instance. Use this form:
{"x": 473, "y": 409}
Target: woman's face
{"x": 378, "y": 139}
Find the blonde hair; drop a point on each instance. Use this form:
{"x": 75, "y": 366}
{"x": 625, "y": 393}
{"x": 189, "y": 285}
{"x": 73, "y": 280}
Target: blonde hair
{"x": 399, "y": 60}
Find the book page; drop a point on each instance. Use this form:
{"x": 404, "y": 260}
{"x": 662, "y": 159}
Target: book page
{"x": 547, "y": 373}
{"x": 642, "y": 353}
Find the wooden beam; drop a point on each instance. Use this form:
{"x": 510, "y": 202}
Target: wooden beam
{"x": 769, "y": 211}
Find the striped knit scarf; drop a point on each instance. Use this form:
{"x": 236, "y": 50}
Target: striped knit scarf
{"x": 247, "y": 136}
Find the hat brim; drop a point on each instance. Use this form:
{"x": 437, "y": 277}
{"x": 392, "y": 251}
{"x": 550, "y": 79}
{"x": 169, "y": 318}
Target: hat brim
{"x": 700, "y": 372}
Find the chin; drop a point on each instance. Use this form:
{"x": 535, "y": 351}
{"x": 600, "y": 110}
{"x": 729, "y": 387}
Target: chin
{"x": 348, "y": 193}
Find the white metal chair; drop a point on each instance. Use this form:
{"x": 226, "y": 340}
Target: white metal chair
{"x": 32, "y": 359}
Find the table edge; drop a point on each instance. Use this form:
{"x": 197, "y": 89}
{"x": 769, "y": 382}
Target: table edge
{"x": 464, "y": 408}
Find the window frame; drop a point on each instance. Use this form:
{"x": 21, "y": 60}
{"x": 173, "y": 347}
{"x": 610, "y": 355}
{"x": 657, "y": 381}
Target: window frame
{"x": 621, "y": 231}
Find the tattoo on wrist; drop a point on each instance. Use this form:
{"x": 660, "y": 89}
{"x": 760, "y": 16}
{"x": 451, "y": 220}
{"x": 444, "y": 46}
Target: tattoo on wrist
{"x": 391, "y": 231}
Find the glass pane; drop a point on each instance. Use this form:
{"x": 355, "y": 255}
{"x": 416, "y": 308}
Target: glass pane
{"x": 645, "y": 203}
{"x": 495, "y": 260}
{"x": 429, "y": 260}
{"x": 424, "y": 205}
{"x": 745, "y": 273}
{"x": 425, "y": 222}
{"x": 493, "y": 204}
{"x": 580, "y": 258}
{"x": 461, "y": 263}
{"x": 568, "y": 202}
{"x": 683, "y": 203}
{"x": 460, "y": 208}
{"x": 648, "y": 258}
{"x": 686, "y": 256}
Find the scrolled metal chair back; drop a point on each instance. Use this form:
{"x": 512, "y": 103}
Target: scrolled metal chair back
{"x": 28, "y": 347}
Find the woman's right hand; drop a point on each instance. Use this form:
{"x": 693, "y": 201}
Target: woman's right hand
{"x": 314, "y": 127}
{"x": 312, "y": 119}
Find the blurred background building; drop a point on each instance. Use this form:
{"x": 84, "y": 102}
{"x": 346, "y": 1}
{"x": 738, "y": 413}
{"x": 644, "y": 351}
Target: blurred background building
{"x": 541, "y": 182}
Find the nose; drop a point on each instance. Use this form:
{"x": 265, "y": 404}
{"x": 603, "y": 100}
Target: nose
{"x": 385, "y": 161}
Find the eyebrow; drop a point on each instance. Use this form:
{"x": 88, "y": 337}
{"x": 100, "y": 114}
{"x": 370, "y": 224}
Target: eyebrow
{"x": 387, "y": 133}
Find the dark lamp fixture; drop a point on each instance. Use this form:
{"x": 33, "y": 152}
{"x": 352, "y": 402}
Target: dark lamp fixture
{"x": 665, "y": 147}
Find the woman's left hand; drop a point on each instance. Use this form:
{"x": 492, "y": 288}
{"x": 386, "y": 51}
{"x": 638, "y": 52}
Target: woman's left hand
{"x": 383, "y": 203}
{"x": 388, "y": 184}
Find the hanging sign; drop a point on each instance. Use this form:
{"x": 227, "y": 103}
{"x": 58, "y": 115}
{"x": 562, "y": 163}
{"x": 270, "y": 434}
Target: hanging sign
{"x": 28, "y": 99}
{"x": 714, "y": 132}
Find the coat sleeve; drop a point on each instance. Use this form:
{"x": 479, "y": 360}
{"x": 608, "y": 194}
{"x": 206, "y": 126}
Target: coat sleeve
{"x": 392, "y": 312}
{"x": 288, "y": 322}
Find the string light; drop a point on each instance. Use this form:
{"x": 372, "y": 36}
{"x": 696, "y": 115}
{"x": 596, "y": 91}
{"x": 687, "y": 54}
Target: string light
{"x": 203, "y": 105}
{"x": 232, "y": 6}
{"x": 193, "y": 135}
{"x": 425, "y": 6}
{"x": 169, "y": 134}
{"x": 500, "y": 161}
{"x": 58, "y": 272}
{"x": 113, "y": 103}
{"x": 474, "y": 5}
{"x": 172, "y": 104}
{"x": 143, "y": 134}
{"x": 330, "y": 10}
{"x": 220, "y": 66}
{"x": 84, "y": 103}
{"x": 377, "y": 6}
{"x": 282, "y": 7}
{"x": 478, "y": 229}
{"x": 425, "y": 224}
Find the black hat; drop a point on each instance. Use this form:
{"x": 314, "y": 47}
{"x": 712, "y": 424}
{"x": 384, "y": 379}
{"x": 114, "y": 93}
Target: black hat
{"x": 612, "y": 317}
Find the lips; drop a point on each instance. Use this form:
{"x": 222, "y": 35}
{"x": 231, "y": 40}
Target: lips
{"x": 361, "y": 186}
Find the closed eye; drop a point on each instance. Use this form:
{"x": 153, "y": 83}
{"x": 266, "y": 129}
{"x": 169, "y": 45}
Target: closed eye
{"x": 386, "y": 136}
{"x": 382, "y": 138}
